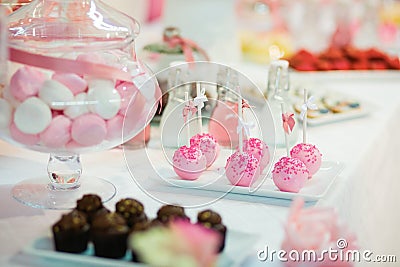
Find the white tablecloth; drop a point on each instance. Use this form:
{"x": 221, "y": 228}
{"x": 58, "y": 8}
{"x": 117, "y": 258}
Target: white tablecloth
{"x": 365, "y": 194}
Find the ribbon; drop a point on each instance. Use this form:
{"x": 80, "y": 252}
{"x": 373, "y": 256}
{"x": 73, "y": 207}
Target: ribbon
{"x": 189, "y": 108}
{"x": 245, "y": 104}
{"x": 288, "y": 122}
{"x": 309, "y": 104}
{"x": 69, "y": 65}
{"x": 187, "y": 47}
{"x": 245, "y": 126}
{"x": 200, "y": 99}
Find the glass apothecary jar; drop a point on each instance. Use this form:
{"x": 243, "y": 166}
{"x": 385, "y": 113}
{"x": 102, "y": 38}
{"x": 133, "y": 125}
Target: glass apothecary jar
{"x": 74, "y": 85}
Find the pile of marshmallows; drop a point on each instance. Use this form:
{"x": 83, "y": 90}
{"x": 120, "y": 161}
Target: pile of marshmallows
{"x": 65, "y": 110}
{"x": 242, "y": 169}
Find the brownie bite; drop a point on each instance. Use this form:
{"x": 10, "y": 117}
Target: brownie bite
{"x": 109, "y": 235}
{"x": 132, "y": 211}
{"x": 71, "y": 233}
{"x": 212, "y": 220}
{"x": 168, "y": 213}
{"x": 91, "y": 205}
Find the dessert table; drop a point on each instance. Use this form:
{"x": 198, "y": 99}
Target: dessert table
{"x": 365, "y": 194}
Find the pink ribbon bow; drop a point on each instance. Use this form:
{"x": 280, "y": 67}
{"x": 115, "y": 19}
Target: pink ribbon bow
{"x": 288, "y": 122}
{"x": 245, "y": 104}
{"x": 189, "y": 108}
{"x": 187, "y": 47}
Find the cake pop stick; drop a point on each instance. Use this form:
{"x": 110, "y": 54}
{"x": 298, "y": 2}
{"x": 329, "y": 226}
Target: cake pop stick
{"x": 240, "y": 123}
{"x": 308, "y": 104}
{"x": 284, "y": 130}
{"x": 189, "y": 108}
{"x": 199, "y": 103}
{"x": 205, "y": 141}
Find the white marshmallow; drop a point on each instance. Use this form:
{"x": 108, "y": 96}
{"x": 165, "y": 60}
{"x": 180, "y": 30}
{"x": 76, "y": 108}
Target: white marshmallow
{"x": 103, "y": 98}
{"x": 5, "y": 114}
{"x": 78, "y": 106}
{"x": 55, "y": 94}
{"x": 32, "y": 116}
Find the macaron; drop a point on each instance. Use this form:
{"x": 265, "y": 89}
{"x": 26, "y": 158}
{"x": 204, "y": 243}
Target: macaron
{"x": 32, "y": 116}
{"x": 89, "y": 130}
{"x": 26, "y": 82}
{"x": 104, "y": 99}
{"x": 23, "y": 138}
{"x": 58, "y": 134}
{"x": 77, "y": 107}
{"x": 55, "y": 94}
{"x": 75, "y": 83}
{"x": 5, "y": 113}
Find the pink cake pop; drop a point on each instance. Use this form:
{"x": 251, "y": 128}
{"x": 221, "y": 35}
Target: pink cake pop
{"x": 309, "y": 155}
{"x": 58, "y": 134}
{"x": 208, "y": 145}
{"x": 204, "y": 141}
{"x": 89, "y": 130}
{"x": 259, "y": 150}
{"x": 242, "y": 169}
{"x": 290, "y": 174}
{"x": 189, "y": 162}
{"x": 26, "y": 82}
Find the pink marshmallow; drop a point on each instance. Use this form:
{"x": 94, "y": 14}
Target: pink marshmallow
{"x": 189, "y": 162}
{"x": 290, "y": 174}
{"x": 89, "y": 130}
{"x": 114, "y": 128}
{"x": 74, "y": 82}
{"x": 23, "y": 138}
{"x": 242, "y": 169}
{"x": 58, "y": 134}
{"x": 136, "y": 116}
{"x": 26, "y": 82}
{"x": 128, "y": 93}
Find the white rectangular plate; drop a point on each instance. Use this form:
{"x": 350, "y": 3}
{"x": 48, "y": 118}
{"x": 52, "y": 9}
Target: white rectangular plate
{"x": 237, "y": 247}
{"x": 215, "y": 180}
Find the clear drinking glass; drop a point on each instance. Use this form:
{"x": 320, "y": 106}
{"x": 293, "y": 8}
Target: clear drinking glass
{"x": 74, "y": 85}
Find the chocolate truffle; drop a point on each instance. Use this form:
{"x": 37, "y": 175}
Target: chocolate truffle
{"x": 71, "y": 233}
{"x": 109, "y": 235}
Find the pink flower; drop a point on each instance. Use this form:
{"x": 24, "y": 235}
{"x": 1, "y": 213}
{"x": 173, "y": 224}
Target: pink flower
{"x": 317, "y": 229}
{"x": 179, "y": 244}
